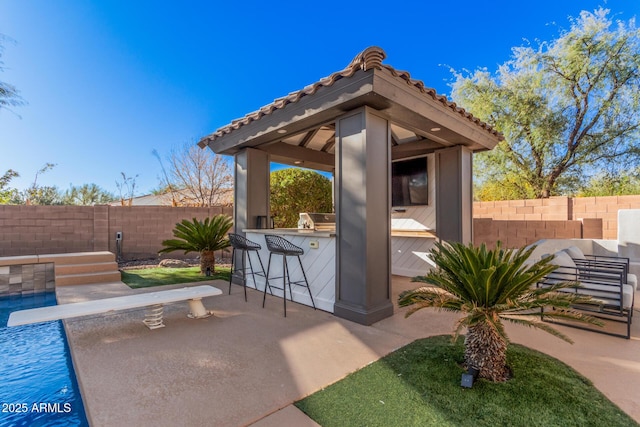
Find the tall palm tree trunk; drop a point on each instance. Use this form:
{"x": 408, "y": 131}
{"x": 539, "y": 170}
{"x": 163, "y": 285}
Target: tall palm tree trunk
{"x": 207, "y": 260}
{"x": 486, "y": 350}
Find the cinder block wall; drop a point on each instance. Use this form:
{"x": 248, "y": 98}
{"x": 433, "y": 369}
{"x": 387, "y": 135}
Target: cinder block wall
{"x": 516, "y": 233}
{"x": 145, "y": 227}
{"x": 560, "y": 209}
{"x": 37, "y": 230}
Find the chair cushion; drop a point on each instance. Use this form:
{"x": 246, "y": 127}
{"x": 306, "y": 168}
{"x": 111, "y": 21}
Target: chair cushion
{"x": 632, "y": 280}
{"x": 566, "y": 267}
{"x": 575, "y": 252}
{"x": 602, "y": 294}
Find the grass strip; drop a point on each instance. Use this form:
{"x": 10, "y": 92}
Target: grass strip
{"x": 148, "y": 277}
{"x": 419, "y": 385}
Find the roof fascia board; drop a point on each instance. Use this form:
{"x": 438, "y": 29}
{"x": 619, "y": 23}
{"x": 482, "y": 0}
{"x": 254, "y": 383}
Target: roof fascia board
{"x": 410, "y": 97}
{"x": 305, "y": 113}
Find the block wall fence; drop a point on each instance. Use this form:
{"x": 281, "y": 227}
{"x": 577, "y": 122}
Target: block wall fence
{"x": 37, "y": 230}
{"x": 522, "y": 222}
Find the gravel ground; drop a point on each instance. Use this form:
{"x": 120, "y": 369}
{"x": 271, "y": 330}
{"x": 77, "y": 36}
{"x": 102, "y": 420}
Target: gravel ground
{"x": 153, "y": 262}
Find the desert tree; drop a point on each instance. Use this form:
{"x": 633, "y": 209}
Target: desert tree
{"x": 196, "y": 176}
{"x": 9, "y": 95}
{"x": 126, "y": 188}
{"x": 567, "y": 109}
{"x": 87, "y": 195}
{"x": 38, "y": 194}
{"x": 7, "y": 193}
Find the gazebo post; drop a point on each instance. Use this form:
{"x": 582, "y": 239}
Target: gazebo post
{"x": 251, "y": 192}
{"x": 454, "y": 194}
{"x": 363, "y": 266}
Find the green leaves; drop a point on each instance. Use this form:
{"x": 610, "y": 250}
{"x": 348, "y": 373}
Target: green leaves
{"x": 567, "y": 109}
{"x": 198, "y": 236}
{"x": 490, "y": 286}
{"x": 297, "y": 190}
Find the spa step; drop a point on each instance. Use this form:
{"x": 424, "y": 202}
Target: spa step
{"x": 94, "y": 267}
{"x": 87, "y": 278}
{"x": 84, "y": 267}
{"x": 78, "y": 258}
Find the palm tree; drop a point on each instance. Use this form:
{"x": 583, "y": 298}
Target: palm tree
{"x": 488, "y": 287}
{"x": 204, "y": 237}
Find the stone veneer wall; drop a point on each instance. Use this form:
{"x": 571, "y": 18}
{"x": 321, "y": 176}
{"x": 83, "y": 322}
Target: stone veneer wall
{"x": 26, "y": 279}
{"x": 37, "y": 230}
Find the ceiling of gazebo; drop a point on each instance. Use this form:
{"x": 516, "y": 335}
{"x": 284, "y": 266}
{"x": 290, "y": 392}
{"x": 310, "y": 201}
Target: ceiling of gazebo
{"x": 315, "y": 148}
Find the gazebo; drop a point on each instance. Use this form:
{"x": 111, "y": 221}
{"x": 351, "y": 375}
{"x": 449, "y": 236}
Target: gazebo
{"x": 355, "y": 123}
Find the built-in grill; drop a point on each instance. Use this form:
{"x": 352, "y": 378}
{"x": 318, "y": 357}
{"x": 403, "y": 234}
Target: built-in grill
{"x": 317, "y": 221}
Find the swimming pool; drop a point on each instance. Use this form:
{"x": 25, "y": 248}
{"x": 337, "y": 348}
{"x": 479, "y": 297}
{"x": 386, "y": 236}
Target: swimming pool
{"x": 38, "y": 386}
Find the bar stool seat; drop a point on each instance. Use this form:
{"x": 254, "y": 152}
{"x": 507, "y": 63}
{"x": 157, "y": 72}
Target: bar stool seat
{"x": 279, "y": 246}
{"x": 240, "y": 243}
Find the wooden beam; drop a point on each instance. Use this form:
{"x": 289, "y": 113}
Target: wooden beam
{"x": 329, "y": 143}
{"x": 415, "y": 148}
{"x": 308, "y": 137}
{"x": 295, "y": 152}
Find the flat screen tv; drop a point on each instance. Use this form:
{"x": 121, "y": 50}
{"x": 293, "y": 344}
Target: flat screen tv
{"x": 409, "y": 182}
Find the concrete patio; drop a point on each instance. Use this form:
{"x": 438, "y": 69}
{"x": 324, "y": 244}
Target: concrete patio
{"x": 246, "y": 365}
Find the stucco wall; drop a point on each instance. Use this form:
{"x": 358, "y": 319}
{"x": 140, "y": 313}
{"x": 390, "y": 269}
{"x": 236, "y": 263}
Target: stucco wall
{"x": 36, "y": 230}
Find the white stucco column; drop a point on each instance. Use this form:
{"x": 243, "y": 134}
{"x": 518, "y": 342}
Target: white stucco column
{"x": 363, "y": 272}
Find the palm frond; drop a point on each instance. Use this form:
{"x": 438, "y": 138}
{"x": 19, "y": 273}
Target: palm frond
{"x": 198, "y": 236}
{"x": 489, "y": 286}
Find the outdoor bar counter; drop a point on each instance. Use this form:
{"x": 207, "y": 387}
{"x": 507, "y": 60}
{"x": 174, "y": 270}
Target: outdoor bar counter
{"x": 409, "y": 249}
{"x": 319, "y": 261}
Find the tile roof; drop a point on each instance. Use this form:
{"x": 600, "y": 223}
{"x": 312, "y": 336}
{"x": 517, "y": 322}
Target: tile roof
{"x": 370, "y": 58}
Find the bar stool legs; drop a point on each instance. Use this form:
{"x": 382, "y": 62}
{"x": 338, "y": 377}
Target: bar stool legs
{"x": 245, "y": 246}
{"x": 279, "y": 246}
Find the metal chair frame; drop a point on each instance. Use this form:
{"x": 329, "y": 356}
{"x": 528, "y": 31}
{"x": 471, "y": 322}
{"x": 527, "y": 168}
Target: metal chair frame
{"x": 280, "y": 246}
{"x": 240, "y": 243}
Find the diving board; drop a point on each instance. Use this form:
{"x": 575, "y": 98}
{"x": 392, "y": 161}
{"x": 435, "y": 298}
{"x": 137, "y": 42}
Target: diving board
{"x": 152, "y": 300}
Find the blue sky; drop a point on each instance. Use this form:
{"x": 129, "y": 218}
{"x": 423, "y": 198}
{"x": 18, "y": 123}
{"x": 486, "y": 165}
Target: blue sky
{"x": 108, "y": 81}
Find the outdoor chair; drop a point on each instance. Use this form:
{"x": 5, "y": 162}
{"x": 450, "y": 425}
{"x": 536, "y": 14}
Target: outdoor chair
{"x": 245, "y": 246}
{"x": 279, "y": 246}
{"x": 612, "y": 298}
{"x": 603, "y": 263}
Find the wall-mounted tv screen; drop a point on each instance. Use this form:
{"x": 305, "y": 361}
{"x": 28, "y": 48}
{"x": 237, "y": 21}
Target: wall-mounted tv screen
{"x": 409, "y": 182}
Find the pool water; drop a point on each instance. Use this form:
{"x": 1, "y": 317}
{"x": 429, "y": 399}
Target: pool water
{"x": 38, "y": 386}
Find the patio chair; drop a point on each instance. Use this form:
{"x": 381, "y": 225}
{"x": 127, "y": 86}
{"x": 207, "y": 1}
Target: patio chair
{"x": 612, "y": 298}
{"x": 603, "y": 263}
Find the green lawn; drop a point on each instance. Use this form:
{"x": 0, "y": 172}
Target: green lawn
{"x": 147, "y": 277}
{"x": 419, "y": 385}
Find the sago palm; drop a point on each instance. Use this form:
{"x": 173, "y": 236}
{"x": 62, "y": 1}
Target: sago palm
{"x": 489, "y": 287}
{"x": 204, "y": 237}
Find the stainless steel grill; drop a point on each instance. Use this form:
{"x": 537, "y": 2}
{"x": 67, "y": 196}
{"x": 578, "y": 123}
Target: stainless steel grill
{"x": 317, "y": 221}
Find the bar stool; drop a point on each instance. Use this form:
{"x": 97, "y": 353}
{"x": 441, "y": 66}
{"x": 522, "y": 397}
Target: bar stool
{"x": 240, "y": 243}
{"x": 279, "y": 246}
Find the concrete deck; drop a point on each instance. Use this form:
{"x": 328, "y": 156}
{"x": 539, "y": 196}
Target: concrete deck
{"x": 246, "y": 365}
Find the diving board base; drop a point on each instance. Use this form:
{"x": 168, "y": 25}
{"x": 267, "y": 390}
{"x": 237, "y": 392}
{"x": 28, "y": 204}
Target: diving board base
{"x": 197, "y": 310}
{"x": 152, "y": 301}
{"x": 153, "y": 317}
